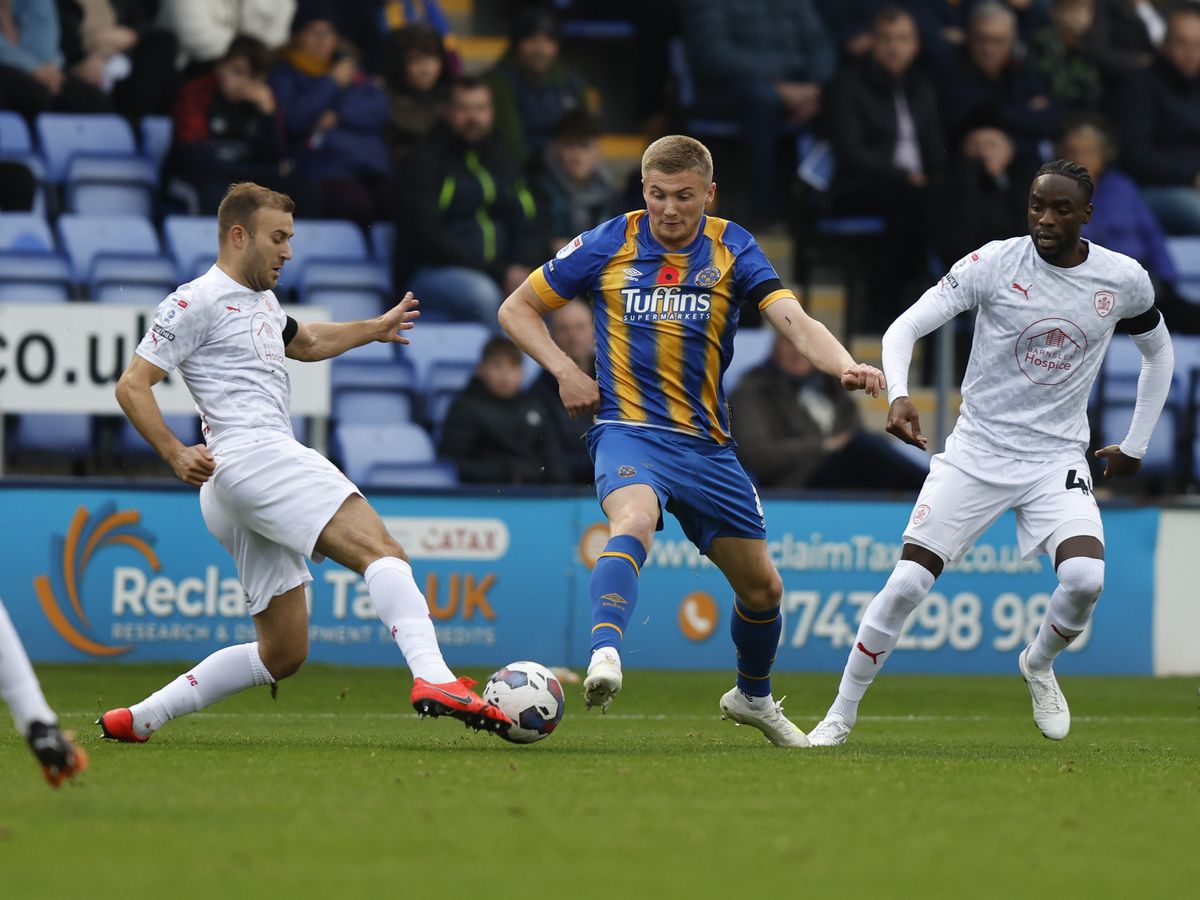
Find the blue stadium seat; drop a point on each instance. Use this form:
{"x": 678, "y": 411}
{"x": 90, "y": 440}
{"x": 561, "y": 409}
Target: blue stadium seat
{"x": 459, "y": 342}
{"x": 89, "y": 239}
{"x": 346, "y": 305}
{"x": 325, "y": 240}
{"x": 192, "y": 241}
{"x": 15, "y": 140}
{"x": 360, "y": 447}
{"x": 1185, "y": 253}
{"x": 31, "y": 268}
{"x": 111, "y": 185}
{"x": 382, "y": 236}
{"x": 365, "y": 277}
{"x": 143, "y": 281}
{"x": 367, "y": 406}
{"x": 57, "y": 433}
{"x": 750, "y": 347}
{"x": 63, "y": 136}
{"x": 156, "y": 133}
{"x": 130, "y": 444}
{"x": 300, "y": 428}
{"x": 1162, "y": 457}
{"x": 412, "y": 475}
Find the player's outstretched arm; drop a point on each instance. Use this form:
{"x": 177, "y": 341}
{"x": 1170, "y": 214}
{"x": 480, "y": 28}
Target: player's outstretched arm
{"x": 1149, "y": 333}
{"x": 822, "y": 349}
{"x": 314, "y": 341}
{"x": 523, "y": 317}
{"x": 194, "y": 465}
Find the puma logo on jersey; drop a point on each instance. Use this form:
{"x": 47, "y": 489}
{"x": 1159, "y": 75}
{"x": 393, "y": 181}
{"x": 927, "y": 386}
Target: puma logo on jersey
{"x": 234, "y": 308}
{"x": 1023, "y": 290}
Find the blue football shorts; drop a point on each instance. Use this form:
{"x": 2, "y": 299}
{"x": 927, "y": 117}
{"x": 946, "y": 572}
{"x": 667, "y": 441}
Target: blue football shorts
{"x": 701, "y": 483}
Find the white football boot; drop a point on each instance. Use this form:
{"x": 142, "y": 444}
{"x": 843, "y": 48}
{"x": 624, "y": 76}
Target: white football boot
{"x": 765, "y": 714}
{"x": 603, "y": 681}
{"x": 831, "y": 731}
{"x": 1050, "y": 711}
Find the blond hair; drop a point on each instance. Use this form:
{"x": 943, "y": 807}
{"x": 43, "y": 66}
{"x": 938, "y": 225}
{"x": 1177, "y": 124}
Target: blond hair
{"x": 678, "y": 153}
{"x": 242, "y": 201}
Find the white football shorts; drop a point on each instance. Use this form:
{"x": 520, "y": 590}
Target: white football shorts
{"x": 267, "y": 503}
{"x": 968, "y": 489}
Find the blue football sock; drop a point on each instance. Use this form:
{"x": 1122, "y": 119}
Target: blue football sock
{"x": 756, "y": 636}
{"x": 613, "y": 589}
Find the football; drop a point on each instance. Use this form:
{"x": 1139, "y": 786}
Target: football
{"x": 531, "y": 696}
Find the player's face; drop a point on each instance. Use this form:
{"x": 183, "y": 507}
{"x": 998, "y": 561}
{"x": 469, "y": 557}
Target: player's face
{"x": 268, "y": 247}
{"x": 676, "y": 204}
{"x": 1057, "y": 213}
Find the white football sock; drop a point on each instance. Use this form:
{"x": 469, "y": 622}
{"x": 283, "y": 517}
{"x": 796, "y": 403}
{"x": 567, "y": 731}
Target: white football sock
{"x": 214, "y": 678}
{"x": 18, "y": 685}
{"x": 1080, "y": 581}
{"x": 878, "y": 633}
{"x": 402, "y": 608}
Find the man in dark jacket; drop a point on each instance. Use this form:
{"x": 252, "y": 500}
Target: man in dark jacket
{"x": 1158, "y": 117}
{"x": 795, "y": 427}
{"x": 887, "y": 139}
{"x": 495, "y": 432}
{"x": 467, "y": 227}
{"x": 571, "y": 328}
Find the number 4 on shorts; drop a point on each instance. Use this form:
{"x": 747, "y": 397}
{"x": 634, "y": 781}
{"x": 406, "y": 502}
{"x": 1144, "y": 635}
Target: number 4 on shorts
{"x": 1084, "y": 484}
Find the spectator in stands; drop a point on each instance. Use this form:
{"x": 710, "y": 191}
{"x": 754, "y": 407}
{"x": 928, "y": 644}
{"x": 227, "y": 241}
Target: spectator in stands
{"x": 227, "y": 130}
{"x": 1125, "y": 36}
{"x": 988, "y": 193}
{"x": 850, "y": 23}
{"x": 497, "y": 433}
{"x": 206, "y": 28}
{"x": 795, "y": 427}
{"x": 1061, "y": 53}
{"x": 887, "y": 138}
{"x": 18, "y": 186}
{"x": 32, "y": 74}
{"x": 467, "y": 228}
{"x": 370, "y": 24}
{"x": 1158, "y": 115}
{"x": 765, "y": 64}
{"x": 571, "y": 328}
{"x": 577, "y": 190}
{"x": 988, "y": 80}
{"x": 532, "y": 88}
{"x": 1122, "y": 221}
{"x": 417, "y": 80}
{"x": 943, "y": 24}
{"x": 334, "y": 118}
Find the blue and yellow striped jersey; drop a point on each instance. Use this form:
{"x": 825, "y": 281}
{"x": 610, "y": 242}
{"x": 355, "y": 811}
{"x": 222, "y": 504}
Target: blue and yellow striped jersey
{"x": 665, "y": 320}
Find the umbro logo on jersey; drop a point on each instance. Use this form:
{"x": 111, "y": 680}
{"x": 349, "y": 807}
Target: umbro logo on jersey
{"x": 1023, "y": 290}
{"x": 632, "y": 274}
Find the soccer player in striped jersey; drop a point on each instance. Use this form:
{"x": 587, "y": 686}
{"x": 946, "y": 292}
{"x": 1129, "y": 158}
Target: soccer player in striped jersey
{"x": 666, "y": 285}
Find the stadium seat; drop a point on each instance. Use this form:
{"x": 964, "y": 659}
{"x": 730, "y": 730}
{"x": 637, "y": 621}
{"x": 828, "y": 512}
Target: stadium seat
{"x": 192, "y": 241}
{"x": 382, "y": 236}
{"x": 111, "y": 185}
{"x": 411, "y": 475}
{"x": 1185, "y": 253}
{"x": 57, "y": 433}
{"x": 156, "y": 133}
{"x": 328, "y": 240}
{"x": 1162, "y": 457}
{"x": 458, "y": 342}
{"x": 360, "y": 447}
{"x": 31, "y": 268}
{"x": 750, "y": 347}
{"x": 15, "y": 140}
{"x": 143, "y": 281}
{"x": 130, "y": 444}
{"x": 93, "y": 242}
{"x": 366, "y": 406}
{"x": 365, "y": 277}
{"x": 64, "y": 136}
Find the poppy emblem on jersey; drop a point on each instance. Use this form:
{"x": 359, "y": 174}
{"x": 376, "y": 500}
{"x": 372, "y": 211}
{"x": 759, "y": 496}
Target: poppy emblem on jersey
{"x": 626, "y": 471}
{"x": 1105, "y": 301}
{"x": 1050, "y": 351}
{"x": 920, "y": 514}
{"x": 708, "y": 276}
{"x": 668, "y": 275}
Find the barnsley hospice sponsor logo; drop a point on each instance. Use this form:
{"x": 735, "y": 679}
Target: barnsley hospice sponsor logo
{"x": 60, "y": 591}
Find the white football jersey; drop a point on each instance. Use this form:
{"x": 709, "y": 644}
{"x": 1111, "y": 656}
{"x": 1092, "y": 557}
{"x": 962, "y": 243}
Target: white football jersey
{"x": 227, "y": 342}
{"x": 1040, "y": 338}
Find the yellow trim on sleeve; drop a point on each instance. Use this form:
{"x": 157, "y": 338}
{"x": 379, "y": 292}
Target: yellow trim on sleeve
{"x": 547, "y": 294}
{"x": 773, "y": 296}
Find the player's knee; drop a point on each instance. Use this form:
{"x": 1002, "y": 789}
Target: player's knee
{"x": 765, "y": 594}
{"x": 1082, "y": 577}
{"x": 636, "y": 524}
{"x": 284, "y": 662}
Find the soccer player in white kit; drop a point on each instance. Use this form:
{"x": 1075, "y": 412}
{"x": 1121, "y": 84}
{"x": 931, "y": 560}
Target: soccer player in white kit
{"x": 271, "y": 501}
{"x": 59, "y": 757}
{"x": 1048, "y": 305}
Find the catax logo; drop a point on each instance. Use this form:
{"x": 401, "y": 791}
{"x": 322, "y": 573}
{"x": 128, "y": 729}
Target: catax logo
{"x": 59, "y": 591}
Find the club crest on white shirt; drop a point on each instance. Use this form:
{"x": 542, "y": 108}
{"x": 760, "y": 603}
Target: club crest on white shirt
{"x": 1105, "y": 301}
{"x": 1050, "y": 351}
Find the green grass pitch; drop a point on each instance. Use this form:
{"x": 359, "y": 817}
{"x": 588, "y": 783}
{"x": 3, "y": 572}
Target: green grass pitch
{"x": 336, "y": 790}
